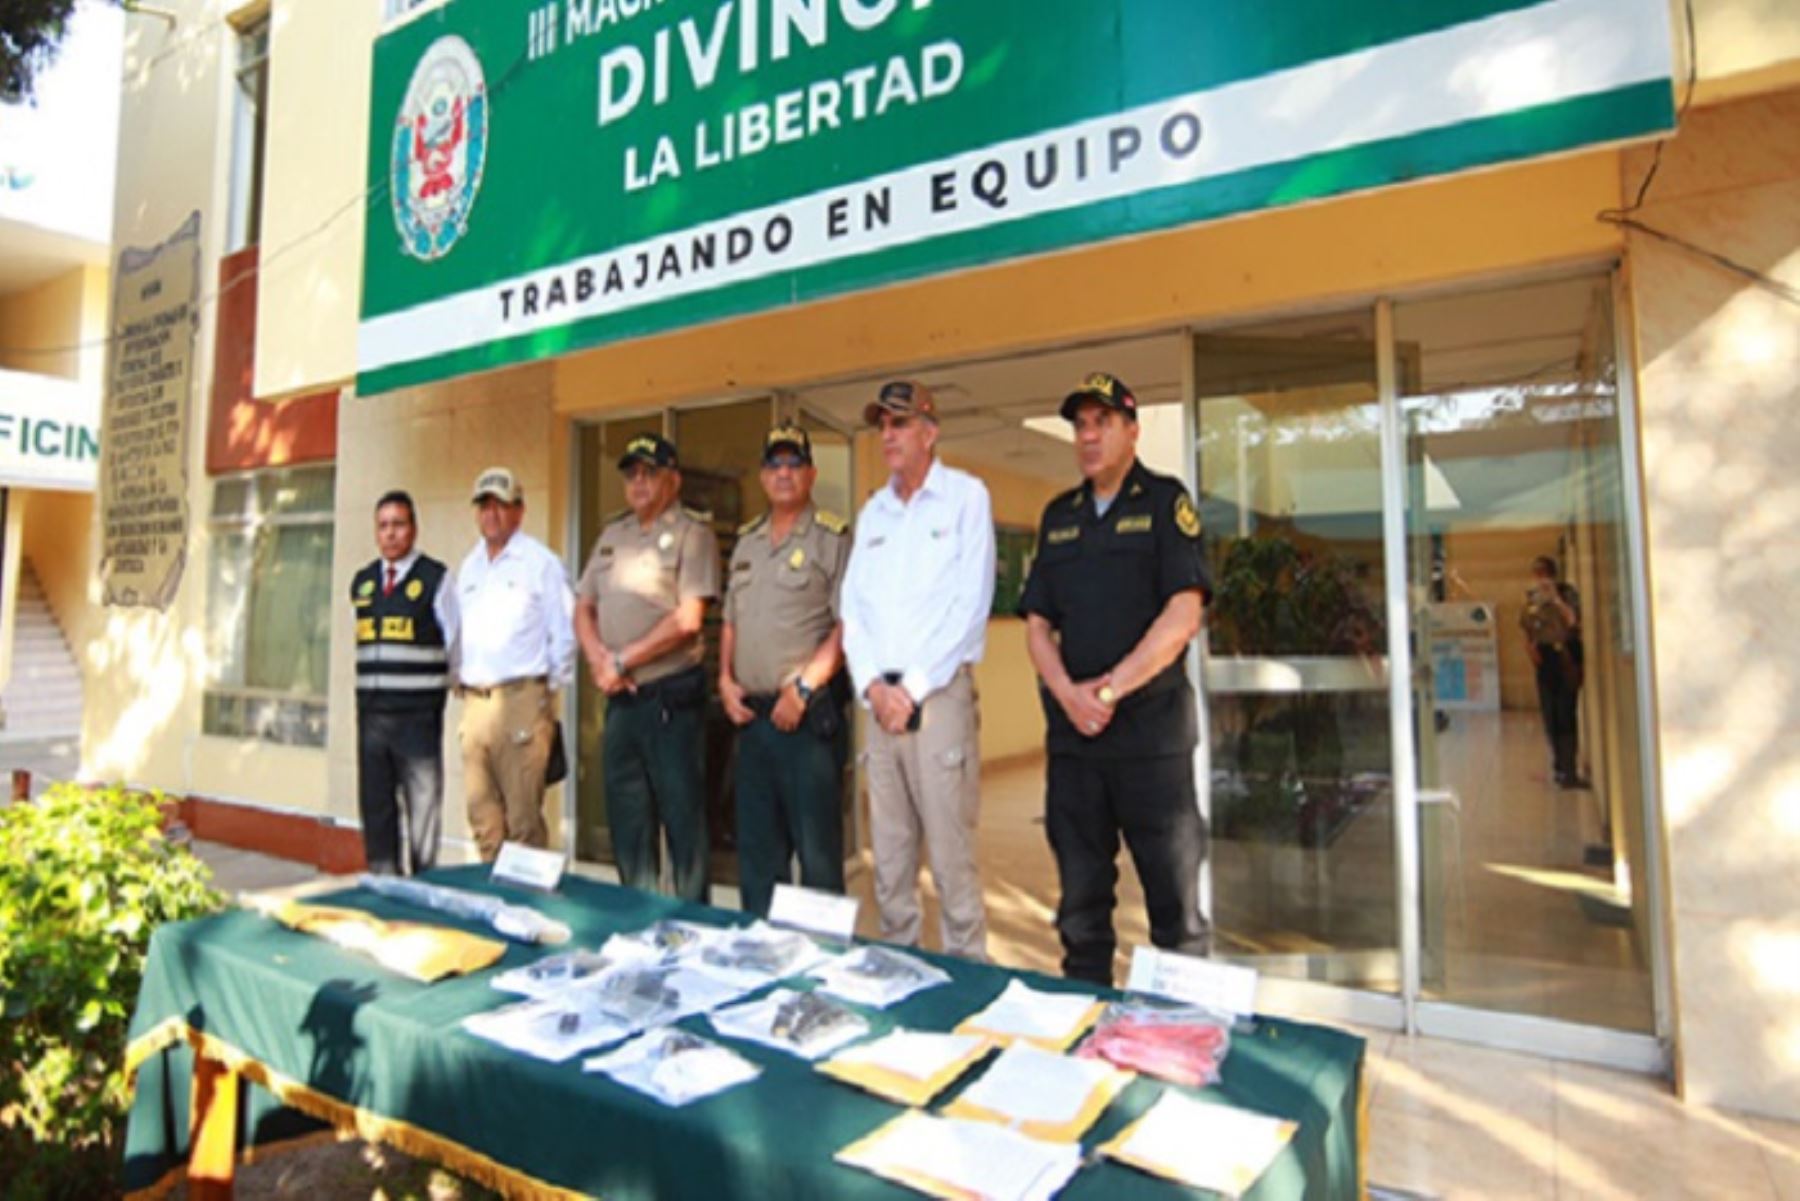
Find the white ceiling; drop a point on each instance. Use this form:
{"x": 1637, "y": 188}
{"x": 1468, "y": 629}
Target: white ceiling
{"x": 30, "y": 255}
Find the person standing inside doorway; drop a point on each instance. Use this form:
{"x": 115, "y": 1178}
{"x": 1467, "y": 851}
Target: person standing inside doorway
{"x": 1115, "y": 595}
{"x": 915, "y": 609}
{"x": 405, "y": 625}
{"x": 779, "y": 658}
{"x": 515, "y": 649}
{"x": 1552, "y": 625}
{"x": 640, "y": 608}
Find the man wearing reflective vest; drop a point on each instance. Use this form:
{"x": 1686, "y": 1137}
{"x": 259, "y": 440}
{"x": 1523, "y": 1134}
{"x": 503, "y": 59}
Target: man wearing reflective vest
{"x": 406, "y": 622}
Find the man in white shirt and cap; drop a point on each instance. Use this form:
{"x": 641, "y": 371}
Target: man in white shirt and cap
{"x": 517, "y": 647}
{"x": 915, "y": 608}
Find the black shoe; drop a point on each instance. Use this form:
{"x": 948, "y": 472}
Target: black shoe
{"x": 1574, "y": 783}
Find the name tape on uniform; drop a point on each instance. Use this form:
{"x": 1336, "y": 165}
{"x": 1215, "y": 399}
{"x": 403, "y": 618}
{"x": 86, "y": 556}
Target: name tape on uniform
{"x": 823, "y": 913}
{"x": 528, "y": 867}
{"x": 1224, "y": 987}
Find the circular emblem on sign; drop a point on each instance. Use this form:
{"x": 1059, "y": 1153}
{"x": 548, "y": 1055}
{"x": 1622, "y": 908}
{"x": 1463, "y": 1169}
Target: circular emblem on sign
{"x": 414, "y": 590}
{"x": 440, "y": 146}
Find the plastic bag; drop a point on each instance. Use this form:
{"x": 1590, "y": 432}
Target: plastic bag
{"x": 1180, "y": 1044}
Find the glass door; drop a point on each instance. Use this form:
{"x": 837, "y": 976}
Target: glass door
{"x": 1302, "y": 806}
{"x": 1532, "y": 834}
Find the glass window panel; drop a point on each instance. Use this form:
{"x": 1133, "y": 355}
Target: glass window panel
{"x": 1302, "y": 798}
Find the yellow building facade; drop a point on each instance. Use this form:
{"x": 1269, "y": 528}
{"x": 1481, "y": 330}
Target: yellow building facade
{"x": 1342, "y": 381}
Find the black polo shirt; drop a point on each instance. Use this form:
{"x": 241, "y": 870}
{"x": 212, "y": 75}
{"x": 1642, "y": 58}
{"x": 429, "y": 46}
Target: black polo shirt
{"x": 1102, "y": 582}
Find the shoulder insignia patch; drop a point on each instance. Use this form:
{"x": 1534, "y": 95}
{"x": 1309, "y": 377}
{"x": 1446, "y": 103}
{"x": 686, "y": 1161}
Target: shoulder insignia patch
{"x": 700, "y": 515}
{"x": 615, "y": 518}
{"x": 752, "y": 525}
{"x": 1187, "y": 518}
{"x": 830, "y": 522}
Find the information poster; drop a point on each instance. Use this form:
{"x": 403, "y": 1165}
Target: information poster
{"x": 1465, "y": 658}
{"x": 143, "y": 467}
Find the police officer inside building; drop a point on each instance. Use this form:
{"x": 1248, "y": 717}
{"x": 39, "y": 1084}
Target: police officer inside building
{"x": 639, "y": 608}
{"x": 405, "y": 624}
{"x": 1114, "y": 597}
{"x": 780, "y": 655}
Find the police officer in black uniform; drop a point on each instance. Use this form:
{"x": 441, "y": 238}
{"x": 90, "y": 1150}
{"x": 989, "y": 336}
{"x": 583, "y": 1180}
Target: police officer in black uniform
{"x": 1114, "y": 597}
{"x": 405, "y": 624}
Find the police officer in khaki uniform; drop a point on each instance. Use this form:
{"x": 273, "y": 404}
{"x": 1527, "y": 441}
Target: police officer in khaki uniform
{"x": 1115, "y": 595}
{"x": 639, "y": 607}
{"x": 780, "y": 679}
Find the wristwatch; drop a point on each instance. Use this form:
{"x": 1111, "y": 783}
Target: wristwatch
{"x": 618, "y": 663}
{"x": 806, "y": 693}
{"x": 1107, "y": 696}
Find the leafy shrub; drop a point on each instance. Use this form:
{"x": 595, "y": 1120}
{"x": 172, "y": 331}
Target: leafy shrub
{"x": 85, "y": 877}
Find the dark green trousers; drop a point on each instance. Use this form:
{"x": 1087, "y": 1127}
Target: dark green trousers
{"x": 653, "y": 759}
{"x": 789, "y": 803}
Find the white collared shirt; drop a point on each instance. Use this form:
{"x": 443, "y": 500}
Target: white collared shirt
{"x": 443, "y": 605}
{"x": 920, "y": 583}
{"x": 518, "y": 615}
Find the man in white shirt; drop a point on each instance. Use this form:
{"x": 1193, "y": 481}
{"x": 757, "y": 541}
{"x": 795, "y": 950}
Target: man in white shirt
{"x": 517, "y": 646}
{"x": 915, "y": 608}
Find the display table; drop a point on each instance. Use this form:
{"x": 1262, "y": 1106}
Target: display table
{"x": 245, "y": 1030}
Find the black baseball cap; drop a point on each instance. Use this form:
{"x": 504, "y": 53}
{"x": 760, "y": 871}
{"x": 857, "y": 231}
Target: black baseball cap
{"x": 651, "y": 449}
{"x": 1101, "y": 388}
{"x": 790, "y": 437}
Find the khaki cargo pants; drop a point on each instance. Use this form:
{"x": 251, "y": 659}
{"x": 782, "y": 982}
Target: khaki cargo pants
{"x": 927, "y": 784}
{"x": 506, "y": 733}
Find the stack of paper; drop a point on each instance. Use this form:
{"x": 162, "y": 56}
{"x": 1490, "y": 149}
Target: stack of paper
{"x": 1052, "y": 1020}
{"x": 964, "y": 1161}
{"x": 877, "y": 976}
{"x": 907, "y": 1066}
{"x": 1206, "y": 1146}
{"x": 674, "y": 1067}
{"x": 758, "y": 955}
{"x": 800, "y": 1023}
{"x": 553, "y": 973}
{"x": 1041, "y": 1093}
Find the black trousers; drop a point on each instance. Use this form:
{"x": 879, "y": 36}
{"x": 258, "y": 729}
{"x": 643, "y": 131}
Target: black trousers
{"x": 1559, "y": 694}
{"x": 1152, "y": 804}
{"x": 789, "y": 804}
{"x": 400, "y": 788}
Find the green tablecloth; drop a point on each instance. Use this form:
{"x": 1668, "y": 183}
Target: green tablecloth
{"x": 370, "y": 1046}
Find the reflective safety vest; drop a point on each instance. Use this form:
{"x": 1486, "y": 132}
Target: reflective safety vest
{"x": 402, "y": 663}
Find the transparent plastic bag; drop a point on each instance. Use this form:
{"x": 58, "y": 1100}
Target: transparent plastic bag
{"x": 1182, "y": 1044}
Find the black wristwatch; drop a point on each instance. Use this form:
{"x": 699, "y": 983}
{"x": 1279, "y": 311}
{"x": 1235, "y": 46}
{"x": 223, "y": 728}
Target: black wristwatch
{"x": 806, "y": 693}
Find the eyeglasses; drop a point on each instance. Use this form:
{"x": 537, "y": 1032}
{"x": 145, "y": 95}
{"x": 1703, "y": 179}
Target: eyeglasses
{"x": 790, "y": 462}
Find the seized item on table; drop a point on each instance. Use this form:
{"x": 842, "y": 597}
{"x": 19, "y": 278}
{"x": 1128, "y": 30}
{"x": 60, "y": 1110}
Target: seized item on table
{"x": 1051, "y": 1020}
{"x": 553, "y": 973}
{"x": 614, "y": 1005}
{"x": 1204, "y": 1146}
{"x": 1041, "y": 1093}
{"x": 662, "y": 941}
{"x": 425, "y": 953}
{"x": 877, "y": 976}
{"x": 758, "y": 955}
{"x": 908, "y": 1067}
{"x": 674, "y": 1067}
{"x": 520, "y": 923}
{"x": 800, "y": 1023}
{"x": 964, "y": 1161}
{"x": 1182, "y": 1044}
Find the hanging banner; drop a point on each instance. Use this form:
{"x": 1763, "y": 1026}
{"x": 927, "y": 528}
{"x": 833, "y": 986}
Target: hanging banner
{"x": 555, "y": 176}
{"x": 144, "y": 423}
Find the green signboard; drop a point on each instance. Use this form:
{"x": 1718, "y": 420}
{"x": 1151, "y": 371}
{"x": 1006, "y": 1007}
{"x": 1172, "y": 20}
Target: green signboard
{"x": 556, "y": 176}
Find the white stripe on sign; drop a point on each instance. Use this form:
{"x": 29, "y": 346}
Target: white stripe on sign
{"x": 1557, "y": 51}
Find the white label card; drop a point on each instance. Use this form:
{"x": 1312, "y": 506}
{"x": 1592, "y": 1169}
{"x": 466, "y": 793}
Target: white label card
{"x": 823, "y": 913}
{"x": 528, "y": 867}
{"x": 1224, "y": 987}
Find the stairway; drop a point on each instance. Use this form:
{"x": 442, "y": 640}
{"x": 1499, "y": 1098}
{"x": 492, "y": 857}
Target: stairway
{"x": 43, "y": 697}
